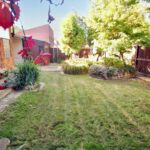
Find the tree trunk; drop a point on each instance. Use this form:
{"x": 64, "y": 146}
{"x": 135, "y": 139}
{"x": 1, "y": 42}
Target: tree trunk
{"x": 98, "y": 57}
{"x": 123, "y": 59}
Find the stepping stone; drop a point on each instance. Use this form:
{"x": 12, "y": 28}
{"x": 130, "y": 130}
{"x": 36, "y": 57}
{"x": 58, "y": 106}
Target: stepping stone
{"x": 4, "y": 142}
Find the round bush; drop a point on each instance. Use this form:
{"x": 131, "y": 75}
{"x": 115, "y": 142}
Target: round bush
{"x": 102, "y": 71}
{"x": 113, "y": 62}
{"x": 111, "y": 72}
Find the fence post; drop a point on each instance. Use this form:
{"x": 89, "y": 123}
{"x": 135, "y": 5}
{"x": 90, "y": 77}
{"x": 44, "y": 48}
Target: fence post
{"x": 136, "y": 56}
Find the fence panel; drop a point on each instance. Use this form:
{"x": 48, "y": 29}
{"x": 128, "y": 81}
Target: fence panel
{"x": 143, "y": 60}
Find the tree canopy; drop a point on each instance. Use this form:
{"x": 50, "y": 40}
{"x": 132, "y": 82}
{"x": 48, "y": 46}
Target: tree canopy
{"x": 73, "y": 35}
{"x": 118, "y": 25}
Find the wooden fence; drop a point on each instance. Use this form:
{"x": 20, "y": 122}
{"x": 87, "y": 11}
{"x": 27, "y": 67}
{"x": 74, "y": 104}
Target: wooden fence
{"x": 142, "y": 60}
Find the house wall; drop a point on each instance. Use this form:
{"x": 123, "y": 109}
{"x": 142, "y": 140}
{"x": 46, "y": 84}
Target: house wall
{"x": 51, "y": 37}
{"x": 6, "y": 54}
{"x": 37, "y": 49}
{"x": 17, "y": 46}
{"x": 40, "y": 46}
{"x": 1, "y": 54}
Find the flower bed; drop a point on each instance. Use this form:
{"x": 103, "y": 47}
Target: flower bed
{"x": 26, "y": 74}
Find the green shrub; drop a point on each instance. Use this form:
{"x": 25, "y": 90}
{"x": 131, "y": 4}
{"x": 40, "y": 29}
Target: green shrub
{"x": 77, "y": 66}
{"x": 129, "y": 69}
{"x": 113, "y": 62}
{"x": 26, "y": 73}
{"x": 72, "y": 67}
{"x": 103, "y": 71}
{"x": 112, "y": 72}
{"x": 89, "y": 62}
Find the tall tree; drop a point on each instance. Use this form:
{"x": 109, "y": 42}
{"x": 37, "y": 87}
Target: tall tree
{"x": 146, "y": 4}
{"x": 119, "y": 25}
{"x": 73, "y": 35}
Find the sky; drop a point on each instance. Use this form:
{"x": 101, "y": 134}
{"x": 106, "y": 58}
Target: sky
{"x": 34, "y": 13}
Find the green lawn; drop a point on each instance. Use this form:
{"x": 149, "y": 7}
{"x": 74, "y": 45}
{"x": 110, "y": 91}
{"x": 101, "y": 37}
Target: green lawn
{"x": 80, "y": 113}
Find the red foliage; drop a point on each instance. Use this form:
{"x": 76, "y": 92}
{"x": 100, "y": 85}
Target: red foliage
{"x": 9, "y": 12}
{"x": 2, "y": 87}
{"x": 16, "y": 11}
{"x": 42, "y": 58}
{"x": 24, "y": 53}
{"x": 5, "y": 81}
{"x": 28, "y": 45}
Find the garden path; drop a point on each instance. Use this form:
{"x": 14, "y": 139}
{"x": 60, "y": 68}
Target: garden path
{"x": 144, "y": 78}
{"x": 8, "y": 99}
{"x": 52, "y": 68}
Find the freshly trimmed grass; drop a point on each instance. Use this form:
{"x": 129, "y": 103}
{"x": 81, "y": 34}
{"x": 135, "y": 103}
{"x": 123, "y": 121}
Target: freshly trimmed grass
{"x": 80, "y": 113}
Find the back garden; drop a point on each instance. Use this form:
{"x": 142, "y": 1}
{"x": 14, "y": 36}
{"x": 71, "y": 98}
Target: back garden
{"x": 92, "y": 100}
{"x": 80, "y": 112}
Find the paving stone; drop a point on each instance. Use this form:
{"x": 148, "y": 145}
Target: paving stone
{"x": 4, "y": 93}
{"x": 5, "y": 102}
{"x": 4, "y": 142}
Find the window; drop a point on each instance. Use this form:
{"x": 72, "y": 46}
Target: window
{"x": 41, "y": 49}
